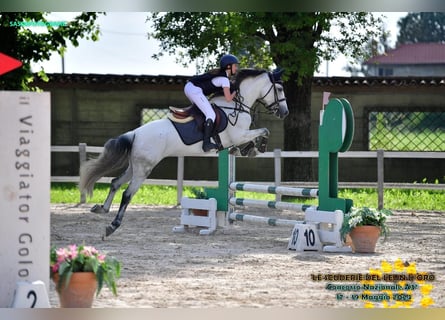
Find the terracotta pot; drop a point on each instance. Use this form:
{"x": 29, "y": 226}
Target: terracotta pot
{"x": 348, "y": 241}
{"x": 80, "y": 291}
{"x": 364, "y": 238}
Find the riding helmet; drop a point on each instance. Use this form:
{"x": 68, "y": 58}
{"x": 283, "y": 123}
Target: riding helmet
{"x": 226, "y": 60}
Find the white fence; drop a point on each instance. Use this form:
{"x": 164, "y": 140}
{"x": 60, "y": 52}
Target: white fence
{"x": 277, "y": 155}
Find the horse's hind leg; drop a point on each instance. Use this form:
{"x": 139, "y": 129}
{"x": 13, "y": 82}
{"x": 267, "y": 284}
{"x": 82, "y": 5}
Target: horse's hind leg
{"x": 133, "y": 187}
{"x": 116, "y": 183}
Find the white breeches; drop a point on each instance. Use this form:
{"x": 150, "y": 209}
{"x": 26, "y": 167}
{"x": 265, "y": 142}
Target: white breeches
{"x": 196, "y": 96}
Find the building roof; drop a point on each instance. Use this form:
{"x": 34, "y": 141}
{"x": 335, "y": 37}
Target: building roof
{"x": 414, "y": 53}
{"x": 379, "y": 81}
{"x": 113, "y": 80}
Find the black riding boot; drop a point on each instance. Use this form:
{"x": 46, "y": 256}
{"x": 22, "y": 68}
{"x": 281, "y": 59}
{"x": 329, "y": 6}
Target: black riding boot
{"x": 208, "y": 130}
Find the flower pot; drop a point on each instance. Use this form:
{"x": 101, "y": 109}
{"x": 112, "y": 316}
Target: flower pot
{"x": 364, "y": 238}
{"x": 348, "y": 241}
{"x": 80, "y": 290}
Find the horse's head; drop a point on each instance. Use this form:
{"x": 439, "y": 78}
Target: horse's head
{"x": 274, "y": 99}
{"x": 264, "y": 87}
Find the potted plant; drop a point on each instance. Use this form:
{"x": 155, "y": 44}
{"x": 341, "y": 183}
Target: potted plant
{"x": 80, "y": 271}
{"x": 199, "y": 193}
{"x": 364, "y": 226}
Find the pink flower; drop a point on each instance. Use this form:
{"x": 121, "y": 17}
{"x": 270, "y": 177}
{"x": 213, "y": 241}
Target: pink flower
{"x": 55, "y": 268}
{"x": 89, "y": 251}
{"x": 62, "y": 255}
{"x": 101, "y": 258}
{"x": 73, "y": 251}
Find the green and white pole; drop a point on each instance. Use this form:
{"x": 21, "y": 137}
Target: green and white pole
{"x": 335, "y": 135}
{"x": 221, "y": 193}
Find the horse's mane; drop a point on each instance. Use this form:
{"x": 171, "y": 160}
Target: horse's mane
{"x": 241, "y": 75}
{"x": 246, "y": 73}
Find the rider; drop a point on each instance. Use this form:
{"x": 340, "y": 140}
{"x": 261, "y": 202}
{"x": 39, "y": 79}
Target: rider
{"x": 213, "y": 81}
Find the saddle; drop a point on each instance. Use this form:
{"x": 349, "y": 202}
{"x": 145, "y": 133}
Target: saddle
{"x": 182, "y": 115}
{"x": 189, "y": 123}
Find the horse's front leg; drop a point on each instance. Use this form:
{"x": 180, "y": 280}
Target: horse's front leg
{"x": 250, "y": 135}
{"x": 251, "y": 142}
{"x": 261, "y": 143}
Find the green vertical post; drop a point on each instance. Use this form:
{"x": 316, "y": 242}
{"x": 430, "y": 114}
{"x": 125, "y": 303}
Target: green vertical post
{"x": 334, "y": 135}
{"x": 221, "y": 193}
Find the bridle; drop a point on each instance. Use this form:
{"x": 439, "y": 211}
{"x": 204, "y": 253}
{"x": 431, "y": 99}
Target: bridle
{"x": 274, "y": 106}
{"x": 271, "y": 108}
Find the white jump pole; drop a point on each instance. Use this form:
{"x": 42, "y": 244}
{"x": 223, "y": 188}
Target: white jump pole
{"x": 288, "y": 191}
{"x": 257, "y": 219}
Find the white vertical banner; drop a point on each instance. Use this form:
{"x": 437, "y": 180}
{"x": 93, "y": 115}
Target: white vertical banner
{"x": 326, "y": 96}
{"x": 25, "y": 146}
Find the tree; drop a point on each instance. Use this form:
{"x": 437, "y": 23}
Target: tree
{"x": 18, "y": 40}
{"x": 372, "y": 48}
{"x": 296, "y": 41}
{"x": 421, "y": 27}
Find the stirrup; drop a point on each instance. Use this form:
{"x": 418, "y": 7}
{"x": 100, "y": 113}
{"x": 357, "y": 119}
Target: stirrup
{"x": 209, "y": 147}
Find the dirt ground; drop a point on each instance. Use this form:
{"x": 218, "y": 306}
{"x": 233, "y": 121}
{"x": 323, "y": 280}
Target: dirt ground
{"x": 245, "y": 264}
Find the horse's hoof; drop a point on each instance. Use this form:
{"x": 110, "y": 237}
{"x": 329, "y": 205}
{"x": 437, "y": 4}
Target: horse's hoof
{"x": 252, "y": 153}
{"x": 262, "y": 144}
{"x": 247, "y": 148}
{"x": 98, "y": 209}
{"x": 109, "y": 231}
{"x": 234, "y": 151}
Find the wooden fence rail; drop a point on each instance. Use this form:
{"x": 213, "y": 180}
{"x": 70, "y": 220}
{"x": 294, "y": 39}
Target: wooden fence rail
{"x": 277, "y": 155}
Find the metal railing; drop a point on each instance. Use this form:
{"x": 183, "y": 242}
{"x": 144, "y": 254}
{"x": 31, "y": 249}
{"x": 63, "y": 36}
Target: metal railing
{"x": 277, "y": 155}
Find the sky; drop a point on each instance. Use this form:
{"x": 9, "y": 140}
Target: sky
{"x": 123, "y": 48}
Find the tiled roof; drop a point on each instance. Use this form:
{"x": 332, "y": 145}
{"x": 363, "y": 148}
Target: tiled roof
{"x": 119, "y": 80}
{"x": 414, "y": 53}
{"x": 116, "y": 79}
{"x": 379, "y": 81}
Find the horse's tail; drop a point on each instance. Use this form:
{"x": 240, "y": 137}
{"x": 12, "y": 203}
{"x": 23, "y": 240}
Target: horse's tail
{"x": 114, "y": 157}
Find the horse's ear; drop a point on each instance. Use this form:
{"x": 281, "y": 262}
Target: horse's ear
{"x": 277, "y": 73}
